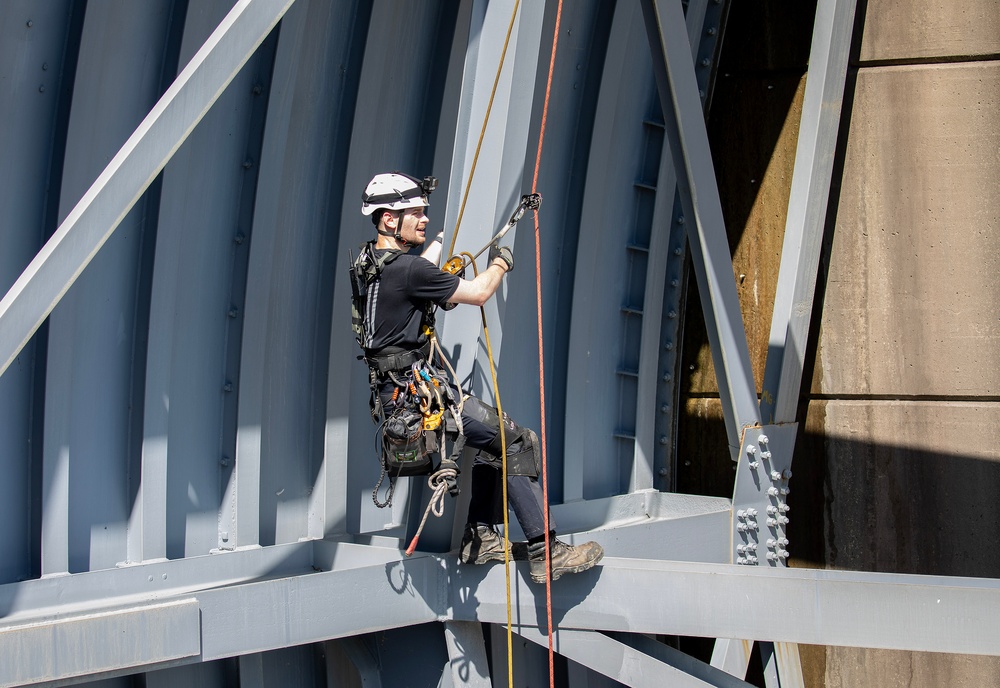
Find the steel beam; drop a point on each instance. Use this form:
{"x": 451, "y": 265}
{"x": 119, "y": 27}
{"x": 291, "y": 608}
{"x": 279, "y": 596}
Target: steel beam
{"x": 131, "y": 171}
{"x": 107, "y": 641}
{"x": 633, "y": 661}
{"x": 253, "y": 601}
{"x": 664, "y": 265}
{"x": 686, "y": 132}
{"x": 877, "y": 610}
{"x": 807, "y": 206}
{"x": 467, "y": 654}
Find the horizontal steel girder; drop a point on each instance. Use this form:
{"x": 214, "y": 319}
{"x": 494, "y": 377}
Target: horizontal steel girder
{"x": 260, "y": 599}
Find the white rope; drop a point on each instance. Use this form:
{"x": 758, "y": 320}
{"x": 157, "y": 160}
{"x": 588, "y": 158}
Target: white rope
{"x": 439, "y": 485}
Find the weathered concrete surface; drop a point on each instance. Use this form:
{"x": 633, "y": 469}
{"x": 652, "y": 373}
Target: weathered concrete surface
{"x": 910, "y": 487}
{"x": 912, "y": 299}
{"x": 926, "y": 29}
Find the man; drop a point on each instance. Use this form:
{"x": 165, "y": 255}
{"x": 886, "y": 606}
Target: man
{"x": 397, "y": 315}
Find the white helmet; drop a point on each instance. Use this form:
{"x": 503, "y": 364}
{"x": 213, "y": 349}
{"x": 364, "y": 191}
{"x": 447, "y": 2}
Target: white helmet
{"x": 396, "y": 191}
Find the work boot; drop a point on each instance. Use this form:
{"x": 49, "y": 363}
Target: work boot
{"x": 481, "y": 544}
{"x": 564, "y": 558}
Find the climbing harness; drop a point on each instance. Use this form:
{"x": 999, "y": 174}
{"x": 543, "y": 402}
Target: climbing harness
{"x": 424, "y": 413}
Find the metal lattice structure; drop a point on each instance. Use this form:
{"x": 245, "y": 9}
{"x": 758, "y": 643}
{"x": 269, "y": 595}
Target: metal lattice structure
{"x": 185, "y": 440}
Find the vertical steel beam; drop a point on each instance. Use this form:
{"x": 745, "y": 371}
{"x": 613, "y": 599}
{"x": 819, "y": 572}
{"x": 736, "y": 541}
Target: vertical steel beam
{"x": 501, "y": 168}
{"x": 130, "y": 172}
{"x": 688, "y": 138}
{"x": 92, "y": 334}
{"x": 28, "y": 50}
{"x": 807, "y": 206}
{"x": 467, "y": 654}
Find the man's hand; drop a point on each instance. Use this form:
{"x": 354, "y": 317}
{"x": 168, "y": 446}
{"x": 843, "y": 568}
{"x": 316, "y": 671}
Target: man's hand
{"x": 503, "y": 253}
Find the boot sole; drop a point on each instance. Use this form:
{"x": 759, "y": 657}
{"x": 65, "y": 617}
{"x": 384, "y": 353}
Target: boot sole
{"x": 558, "y": 573}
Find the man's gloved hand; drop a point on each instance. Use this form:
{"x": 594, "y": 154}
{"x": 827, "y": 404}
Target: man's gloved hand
{"x": 503, "y": 253}
{"x": 450, "y": 479}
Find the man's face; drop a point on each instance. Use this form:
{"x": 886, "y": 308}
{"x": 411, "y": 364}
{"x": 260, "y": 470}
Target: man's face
{"x": 412, "y": 223}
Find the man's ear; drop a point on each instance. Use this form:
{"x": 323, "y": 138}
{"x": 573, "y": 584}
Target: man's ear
{"x": 388, "y": 220}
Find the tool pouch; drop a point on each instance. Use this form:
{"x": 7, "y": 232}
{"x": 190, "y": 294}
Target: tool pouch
{"x": 404, "y": 445}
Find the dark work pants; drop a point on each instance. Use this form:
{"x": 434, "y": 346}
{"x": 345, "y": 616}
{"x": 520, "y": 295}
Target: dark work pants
{"x": 524, "y": 494}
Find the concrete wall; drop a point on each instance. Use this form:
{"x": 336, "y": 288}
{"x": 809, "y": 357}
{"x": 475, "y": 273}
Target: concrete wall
{"x": 897, "y": 466}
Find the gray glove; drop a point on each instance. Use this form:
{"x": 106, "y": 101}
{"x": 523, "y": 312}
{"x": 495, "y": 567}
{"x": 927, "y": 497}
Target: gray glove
{"x": 503, "y": 253}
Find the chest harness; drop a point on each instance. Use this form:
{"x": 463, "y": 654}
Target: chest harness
{"x": 424, "y": 408}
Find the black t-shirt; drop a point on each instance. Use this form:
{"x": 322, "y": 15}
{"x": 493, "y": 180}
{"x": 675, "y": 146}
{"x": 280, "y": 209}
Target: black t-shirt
{"x": 396, "y": 301}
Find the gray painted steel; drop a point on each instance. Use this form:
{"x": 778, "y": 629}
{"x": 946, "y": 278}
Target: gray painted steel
{"x": 131, "y": 637}
{"x": 821, "y": 607}
{"x": 677, "y": 87}
{"x": 29, "y": 110}
{"x": 807, "y": 208}
{"x": 633, "y": 660}
{"x": 185, "y": 447}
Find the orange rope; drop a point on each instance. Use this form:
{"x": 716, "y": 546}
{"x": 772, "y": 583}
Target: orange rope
{"x": 541, "y": 355}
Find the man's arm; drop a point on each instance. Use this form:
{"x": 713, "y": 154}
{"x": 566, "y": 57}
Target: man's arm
{"x": 478, "y": 291}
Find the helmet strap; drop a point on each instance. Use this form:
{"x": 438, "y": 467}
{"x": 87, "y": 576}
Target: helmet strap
{"x": 396, "y": 235}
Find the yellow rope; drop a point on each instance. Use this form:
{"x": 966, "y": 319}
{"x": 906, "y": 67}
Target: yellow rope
{"x": 503, "y": 451}
{"x": 482, "y": 132}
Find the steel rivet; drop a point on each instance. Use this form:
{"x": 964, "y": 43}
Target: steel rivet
{"x": 669, "y": 346}
{"x": 247, "y": 164}
{"x": 45, "y": 66}
{"x": 239, "y": 238}
{"x": 680, "y": 219}
{"x": 30, "y": 23}
{"x": 672, "y": 314}
{"x": 665, "y": 408}
{"x": 164, "y": 576}
{"x": 678, "y": 251}
{"x": 667, "y": 377}
{"x": 712, "y": 31}
{"x": 41, "y": 89}
{"x": 257, "y": 89}
{"x": 233, "y": 312}
{"x": 664, "y": 439}
{"x": 663, "y": 471}
{"x": 228, "y": 387}
{"x": 150, "y": 579}
{"x": 674, "y": 282}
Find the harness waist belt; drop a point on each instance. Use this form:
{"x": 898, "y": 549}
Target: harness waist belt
{"x": 399, "y": 360}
